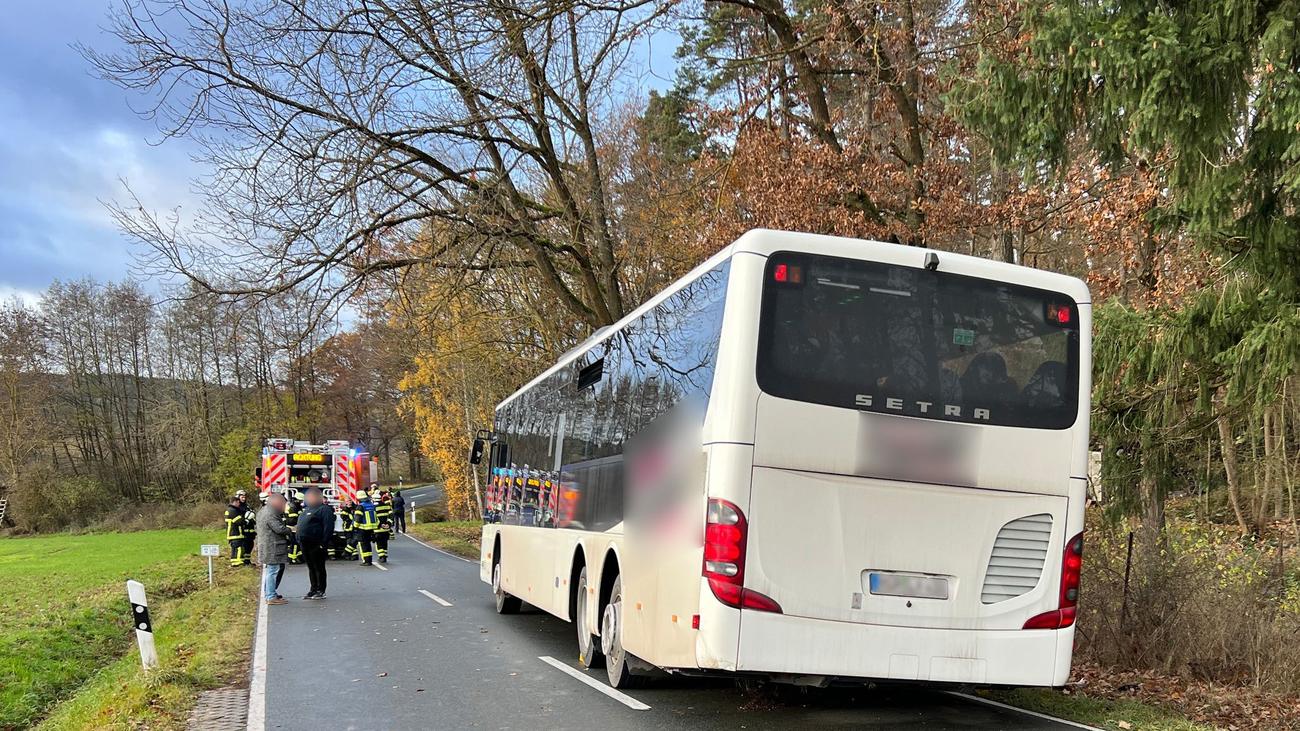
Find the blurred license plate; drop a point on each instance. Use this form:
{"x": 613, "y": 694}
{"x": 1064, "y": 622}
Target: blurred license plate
{"x": 921, "y": 587}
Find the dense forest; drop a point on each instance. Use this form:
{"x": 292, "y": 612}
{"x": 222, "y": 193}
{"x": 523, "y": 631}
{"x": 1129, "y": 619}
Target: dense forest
{"x": 489, "y": 183}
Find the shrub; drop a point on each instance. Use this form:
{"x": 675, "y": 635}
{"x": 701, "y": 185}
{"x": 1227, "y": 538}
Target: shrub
{"x": 1200, "y": 603}
{"x": 45, "y": 502}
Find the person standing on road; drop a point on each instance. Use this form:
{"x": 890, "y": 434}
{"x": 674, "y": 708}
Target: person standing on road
{"x": 384, "y": 518}
{"x": 399, "y": 511}
{"x": 250, "y": 527}
{"x": 272, "y": 546}
{"x": 291, "y": 514}
{"x": 315, "y": 530}
{"x": 349, "y": 531}
{"x": 235, "y": 531}
{"x": 365, "y": 524}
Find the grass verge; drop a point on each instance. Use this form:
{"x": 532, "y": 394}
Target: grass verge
{"x": 1120, "y": 715}
{"x": 68, "y": 639}
{"x": 460, "y": 537}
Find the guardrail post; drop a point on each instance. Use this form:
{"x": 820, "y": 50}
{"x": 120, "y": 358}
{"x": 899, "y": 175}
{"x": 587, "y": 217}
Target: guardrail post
{"x": 143, "y": 626}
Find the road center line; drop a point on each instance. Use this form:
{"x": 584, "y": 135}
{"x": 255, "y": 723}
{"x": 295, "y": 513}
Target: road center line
{"x": 257, "y": 684}
{"x": 436, "y": 598}
{"x": 1036, "y": 714}
{"x": 621, "y": 697}
{"x": 439, "y": 550}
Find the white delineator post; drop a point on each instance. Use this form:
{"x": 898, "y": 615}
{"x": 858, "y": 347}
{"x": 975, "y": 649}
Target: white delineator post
{"x": 412, "y": 512}
{"x": 143, "y": 627}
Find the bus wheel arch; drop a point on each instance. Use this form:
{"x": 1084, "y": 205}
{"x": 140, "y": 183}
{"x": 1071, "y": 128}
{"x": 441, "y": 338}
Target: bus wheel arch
{"x": 505, "y": 602}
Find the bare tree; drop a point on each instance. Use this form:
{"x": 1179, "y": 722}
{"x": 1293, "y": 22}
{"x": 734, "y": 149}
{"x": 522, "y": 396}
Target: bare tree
{"x": 335, "y": 128}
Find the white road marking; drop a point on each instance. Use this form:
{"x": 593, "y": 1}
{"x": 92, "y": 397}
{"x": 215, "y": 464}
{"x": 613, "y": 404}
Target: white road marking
{"x": 436, "y": 598}
{"x": 1035, "y": 714}
{"x": 621, "y": 697}
{"x": 381, "y": 567}
{"x": 257, "y": 684}
{"x": 439, "y": 550}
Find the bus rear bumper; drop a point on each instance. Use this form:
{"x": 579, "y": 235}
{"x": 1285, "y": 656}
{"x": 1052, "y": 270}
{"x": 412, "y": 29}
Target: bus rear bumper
{"x": 785, "y": 645}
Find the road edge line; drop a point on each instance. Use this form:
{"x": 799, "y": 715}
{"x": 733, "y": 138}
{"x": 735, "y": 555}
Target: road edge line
{"x": 614, "y": 693}
{"x": 435, "y": 597}
{"x": 439, "y": 550}
{"x": 381, "y": 568}
{"x": 257, "y": 683}
{"x": 1009, "y": 707}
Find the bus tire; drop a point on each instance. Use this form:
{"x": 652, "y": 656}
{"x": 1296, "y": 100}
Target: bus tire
{"x": 617, "y": 660}
{"x": 589, "y": 655}
{"x": 506, "y": 604}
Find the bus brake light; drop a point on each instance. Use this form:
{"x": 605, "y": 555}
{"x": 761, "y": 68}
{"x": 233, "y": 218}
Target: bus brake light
{"x": 1071, "y": 564}
{"x": 724, "y": 559}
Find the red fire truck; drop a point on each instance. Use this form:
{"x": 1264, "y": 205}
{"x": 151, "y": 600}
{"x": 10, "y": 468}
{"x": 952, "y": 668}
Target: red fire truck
{"x": 336, "y": 467}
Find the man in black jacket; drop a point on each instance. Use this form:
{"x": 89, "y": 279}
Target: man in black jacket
{"x": 399, "y": 511}
{"x": 315, "y": 528}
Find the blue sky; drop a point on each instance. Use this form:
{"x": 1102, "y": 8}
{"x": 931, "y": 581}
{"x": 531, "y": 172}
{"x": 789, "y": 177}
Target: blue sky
{"x": 68, "y": 142}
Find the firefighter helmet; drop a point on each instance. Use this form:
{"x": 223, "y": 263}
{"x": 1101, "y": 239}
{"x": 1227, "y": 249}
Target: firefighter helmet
{"x": 361, "y": 495}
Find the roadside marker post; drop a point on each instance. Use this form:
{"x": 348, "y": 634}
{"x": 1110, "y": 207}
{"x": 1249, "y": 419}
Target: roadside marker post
{"x": 143, "y": 627}
{"x": 412, "y": 512}
{"x": 209, "y": 550}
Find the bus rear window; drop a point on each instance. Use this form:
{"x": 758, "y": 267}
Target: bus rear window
{"x": 902, "y": 340}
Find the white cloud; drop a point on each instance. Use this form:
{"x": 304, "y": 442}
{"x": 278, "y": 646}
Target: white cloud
{"x": 29, "y": 297}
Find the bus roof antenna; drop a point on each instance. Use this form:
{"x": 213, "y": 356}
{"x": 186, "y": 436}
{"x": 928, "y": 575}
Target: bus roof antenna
{"x": 931, "y": 261}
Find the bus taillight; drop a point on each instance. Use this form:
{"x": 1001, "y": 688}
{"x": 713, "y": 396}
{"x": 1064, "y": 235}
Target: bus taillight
{"x": 725, "y": 534}
{"x": 1071, "y": 564}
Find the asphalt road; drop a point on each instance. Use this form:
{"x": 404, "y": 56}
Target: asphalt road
{"x": 422, "y": 495}
{"x": 385, "y": 652}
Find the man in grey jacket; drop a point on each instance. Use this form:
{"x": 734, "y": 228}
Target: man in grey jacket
{"x": 272, "y": 546}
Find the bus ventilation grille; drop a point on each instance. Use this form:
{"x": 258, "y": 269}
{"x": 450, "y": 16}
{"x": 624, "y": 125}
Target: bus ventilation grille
{"x": 1017, "y": 560}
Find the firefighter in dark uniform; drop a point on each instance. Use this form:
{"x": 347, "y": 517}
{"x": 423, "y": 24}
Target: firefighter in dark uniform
{"x": 291, "y": 512}
{"x": 364, "y": 524}
{"x": 235, "y": 532}
{"x": 250, "y": 527}
{"x": 384, "y": 517}
{"x": 345, "y": 516}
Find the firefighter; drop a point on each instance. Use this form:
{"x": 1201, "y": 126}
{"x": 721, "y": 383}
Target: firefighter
{"x": 349, "y": 531}
{"x": 250, "y": 527}
{"x": 384, "y": 517}
{"x": 235, "y": 532}
{"x": 365, "y": 525}
{"x": 291, "y": 511}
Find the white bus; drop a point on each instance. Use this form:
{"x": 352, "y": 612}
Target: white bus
{"x": 811, "y": 459}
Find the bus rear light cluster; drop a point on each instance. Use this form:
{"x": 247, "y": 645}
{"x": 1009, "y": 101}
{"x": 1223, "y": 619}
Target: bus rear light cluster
{"x": 1071, "y": 564}
{"x": 725, "y": 534}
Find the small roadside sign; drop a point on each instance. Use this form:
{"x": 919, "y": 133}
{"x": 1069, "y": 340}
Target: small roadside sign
{"x": 209, "y": 550}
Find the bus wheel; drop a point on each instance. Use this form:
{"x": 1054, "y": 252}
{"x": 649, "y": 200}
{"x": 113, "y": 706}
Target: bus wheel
{"x": 611, "y": 641}
{"x": 506, "y": 604}
{"x": 588, "y": 649}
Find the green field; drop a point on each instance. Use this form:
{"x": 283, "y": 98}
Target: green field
{"x": 68, "y": 638}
